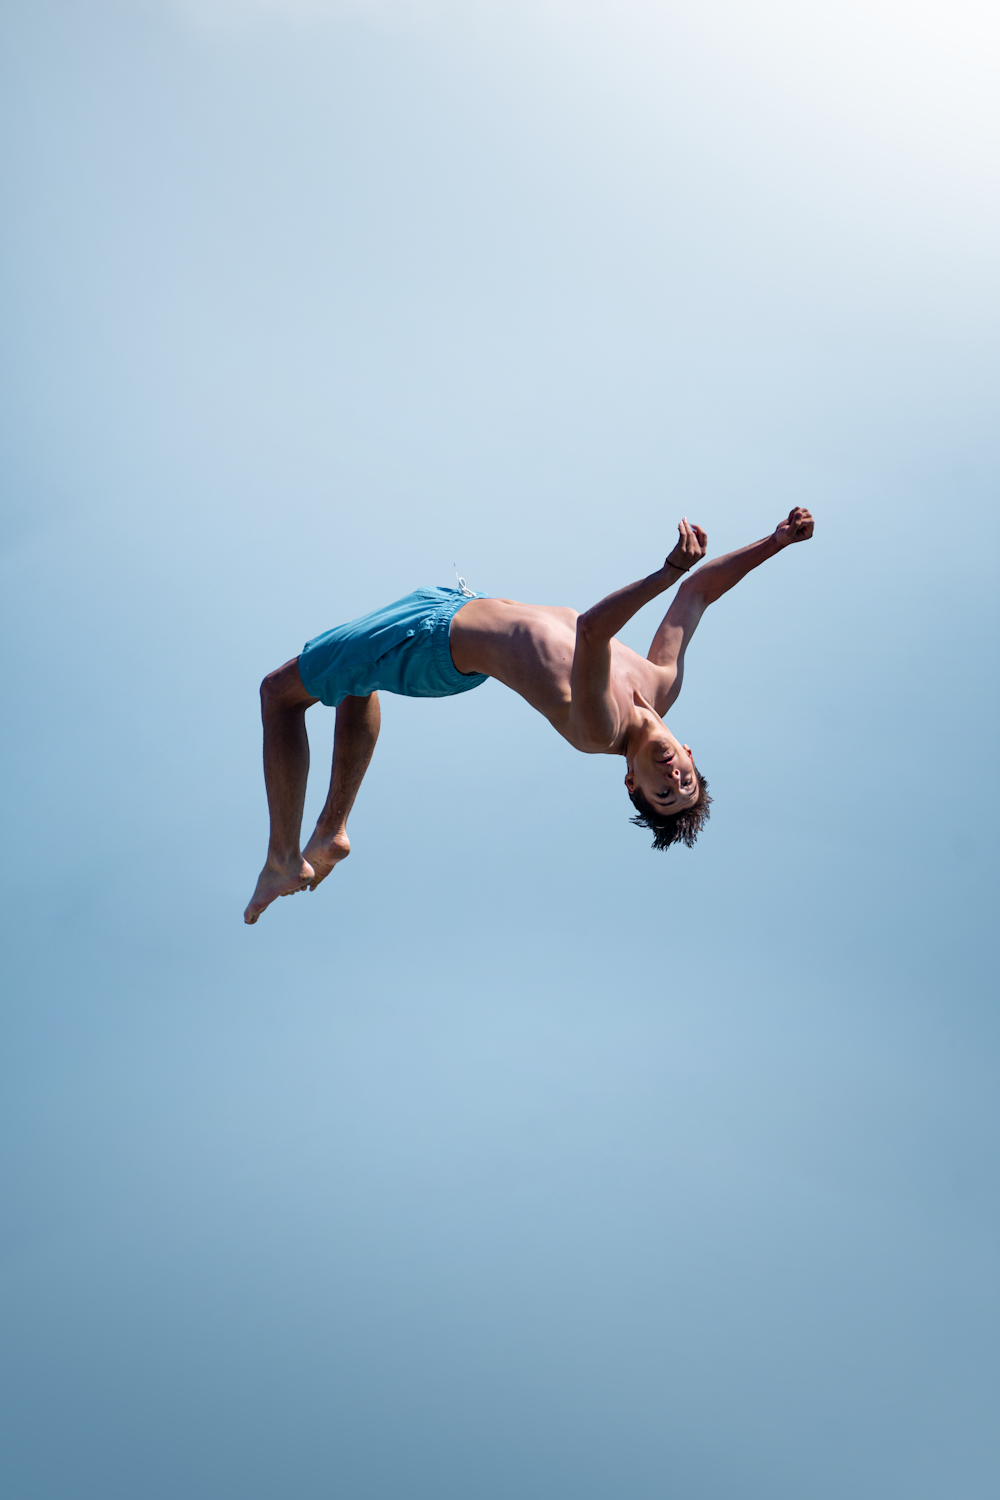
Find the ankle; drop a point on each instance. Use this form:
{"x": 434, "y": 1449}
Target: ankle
{"x": 280, "y": 859}
{"x": 331, "y": 828}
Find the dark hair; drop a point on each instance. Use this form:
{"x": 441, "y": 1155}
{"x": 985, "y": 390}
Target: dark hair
{"x": 674, "y": 828}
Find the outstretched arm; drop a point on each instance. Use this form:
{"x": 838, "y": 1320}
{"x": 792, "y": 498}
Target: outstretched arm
{"x": 594, "y": 710}
{"x": 710, "y": 582}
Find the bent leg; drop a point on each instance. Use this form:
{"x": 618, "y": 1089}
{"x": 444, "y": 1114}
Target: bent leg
{"x": 283, "y": 704}
{"x": 358, "y": 722}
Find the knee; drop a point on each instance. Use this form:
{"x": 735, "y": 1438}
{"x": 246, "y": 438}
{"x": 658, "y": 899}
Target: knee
{"x": 282, "y": 689}
{"x": 270, "y": 689}
{"x": 274, "y": 691}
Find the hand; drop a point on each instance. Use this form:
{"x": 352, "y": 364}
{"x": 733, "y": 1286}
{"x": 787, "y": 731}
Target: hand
{"x": 690, "y": 549}
{"x": 798, "y": 527}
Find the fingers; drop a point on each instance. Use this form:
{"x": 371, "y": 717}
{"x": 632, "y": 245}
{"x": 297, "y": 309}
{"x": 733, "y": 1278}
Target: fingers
{"x": 691, "y": 545}
{"x": 800, "y": 523}
{"x": 695, "y": 539}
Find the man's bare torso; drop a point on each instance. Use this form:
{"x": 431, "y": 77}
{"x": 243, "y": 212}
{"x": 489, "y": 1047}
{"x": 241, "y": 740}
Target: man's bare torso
{"x": 529, "y": 648}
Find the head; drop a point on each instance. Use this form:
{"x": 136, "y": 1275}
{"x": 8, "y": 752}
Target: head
{"x": 666, "y": 788}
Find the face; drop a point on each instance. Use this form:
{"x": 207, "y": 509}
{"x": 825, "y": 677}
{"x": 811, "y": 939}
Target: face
{"x": 663, "y": 771}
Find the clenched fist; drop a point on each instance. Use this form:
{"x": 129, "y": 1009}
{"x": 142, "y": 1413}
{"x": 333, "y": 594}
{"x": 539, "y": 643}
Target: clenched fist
{"x": 798, "y": 527}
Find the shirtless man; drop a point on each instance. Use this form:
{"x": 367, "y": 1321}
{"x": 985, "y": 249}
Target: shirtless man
{"x": 595, "y": 692}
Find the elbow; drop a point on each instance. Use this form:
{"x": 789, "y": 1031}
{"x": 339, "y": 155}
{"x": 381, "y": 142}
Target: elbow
{"x": 593, "y": 738}
{"x": 694, "y": 594}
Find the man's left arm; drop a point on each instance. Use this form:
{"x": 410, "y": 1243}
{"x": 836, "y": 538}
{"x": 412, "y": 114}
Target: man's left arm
{"x": 594, "y": 710}
{"x": 710, "y": 582}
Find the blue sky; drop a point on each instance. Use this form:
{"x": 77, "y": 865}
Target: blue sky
{"x": 518, "y": 1159}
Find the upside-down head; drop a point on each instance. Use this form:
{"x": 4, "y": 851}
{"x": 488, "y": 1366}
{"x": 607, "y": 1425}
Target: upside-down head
{"x": 676, "y": 828}
{"x": 667, "y": 790}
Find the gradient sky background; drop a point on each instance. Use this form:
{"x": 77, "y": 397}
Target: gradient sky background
{"x": 519, "y": 1160}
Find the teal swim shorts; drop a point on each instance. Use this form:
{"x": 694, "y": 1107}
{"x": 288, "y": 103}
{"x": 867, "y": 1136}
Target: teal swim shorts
{"x": 403, "y": 648}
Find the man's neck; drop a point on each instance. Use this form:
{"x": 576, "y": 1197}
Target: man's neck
{"x": 640, "y": 722}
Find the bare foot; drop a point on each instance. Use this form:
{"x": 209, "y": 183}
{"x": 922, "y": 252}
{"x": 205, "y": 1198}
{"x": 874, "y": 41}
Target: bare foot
{"x": 278, "y": 880}
{"x": 324, "y": 851}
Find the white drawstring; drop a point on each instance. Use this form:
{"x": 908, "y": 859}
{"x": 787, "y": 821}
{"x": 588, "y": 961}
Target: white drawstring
{"x": 469, "y": 593}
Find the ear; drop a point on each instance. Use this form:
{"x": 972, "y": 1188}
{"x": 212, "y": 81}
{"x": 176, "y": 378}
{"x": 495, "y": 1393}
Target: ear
{"x": 630, "y": 780}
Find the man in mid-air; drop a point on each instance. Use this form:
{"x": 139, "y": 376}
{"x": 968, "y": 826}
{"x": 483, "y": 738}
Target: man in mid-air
{"x": 595, "y": 692}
